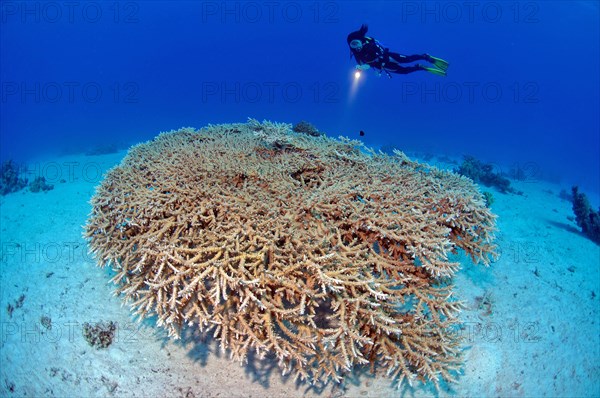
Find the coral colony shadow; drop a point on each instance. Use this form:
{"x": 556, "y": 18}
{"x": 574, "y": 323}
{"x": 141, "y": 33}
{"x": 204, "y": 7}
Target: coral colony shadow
{"x": 319, "y": 250}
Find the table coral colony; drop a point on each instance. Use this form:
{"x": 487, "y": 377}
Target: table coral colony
{"x": 318, "y": 250}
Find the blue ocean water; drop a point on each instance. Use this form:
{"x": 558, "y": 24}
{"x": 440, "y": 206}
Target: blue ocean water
{"x": 522, "y": 89}
{"x": 522, "y": 92}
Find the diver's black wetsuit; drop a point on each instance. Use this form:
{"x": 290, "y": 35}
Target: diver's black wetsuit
{"x": 367, "y": 51}
{"x": 374, "y": 55}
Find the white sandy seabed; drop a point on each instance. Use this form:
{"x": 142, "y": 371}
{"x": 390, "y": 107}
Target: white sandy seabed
{"x": 532, "y": 325}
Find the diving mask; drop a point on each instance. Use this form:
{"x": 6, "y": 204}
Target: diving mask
{"x": 356, "y": 44}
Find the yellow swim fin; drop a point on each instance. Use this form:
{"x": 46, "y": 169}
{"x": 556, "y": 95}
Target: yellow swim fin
{"x": 439, "y": 63}
{"x": 435, "y": 71}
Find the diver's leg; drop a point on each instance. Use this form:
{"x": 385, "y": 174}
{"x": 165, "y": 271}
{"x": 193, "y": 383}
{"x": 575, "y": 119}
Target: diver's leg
{"x": 403, "y": 59}
{"x": 402, "y": 70}
{"x": 437, "y": 62}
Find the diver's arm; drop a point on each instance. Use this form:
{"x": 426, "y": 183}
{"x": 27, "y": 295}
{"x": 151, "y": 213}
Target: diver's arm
{"x": 362, "y": 64}
{"x": 369, "y": 56}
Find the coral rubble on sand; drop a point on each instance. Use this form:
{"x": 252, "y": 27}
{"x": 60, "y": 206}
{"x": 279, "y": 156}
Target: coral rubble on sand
{"x": 39, "y": 184}
{"x": 10, "y": 178}
{"x": 484, "y": 173}
{"x": 318, "y": 250}
{"x": 587, "y": 219}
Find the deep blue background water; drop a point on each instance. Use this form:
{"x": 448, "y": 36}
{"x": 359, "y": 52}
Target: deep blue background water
{"x": 522, "y": 89}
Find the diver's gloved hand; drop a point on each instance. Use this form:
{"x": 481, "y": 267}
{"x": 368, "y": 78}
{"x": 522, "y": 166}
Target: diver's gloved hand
{"x": 363, "y": 67}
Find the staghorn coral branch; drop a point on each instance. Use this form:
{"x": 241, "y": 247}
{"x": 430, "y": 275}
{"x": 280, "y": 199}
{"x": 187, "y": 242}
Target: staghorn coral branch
{"x": 322, "y": 251}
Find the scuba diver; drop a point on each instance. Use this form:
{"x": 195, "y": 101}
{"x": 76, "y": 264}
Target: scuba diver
{"x": 368, "y": 52}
